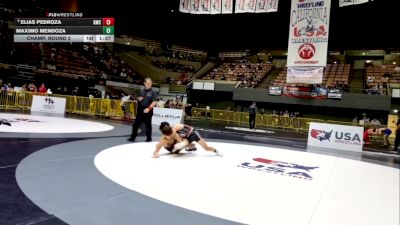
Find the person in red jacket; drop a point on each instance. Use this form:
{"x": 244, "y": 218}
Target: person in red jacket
{"x": 43, "y": 89}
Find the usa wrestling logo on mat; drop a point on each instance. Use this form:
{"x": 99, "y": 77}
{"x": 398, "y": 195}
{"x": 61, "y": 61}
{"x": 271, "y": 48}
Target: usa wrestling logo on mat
{"x": 281, "y": 168}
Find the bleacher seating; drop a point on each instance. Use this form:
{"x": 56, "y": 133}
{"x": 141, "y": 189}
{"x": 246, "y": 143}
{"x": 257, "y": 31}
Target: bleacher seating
{"x": 189, "y": 54}
{"x": 112, "y": 66}
{"x": 57, "y": 58}
{"x": 336, "y": 74}
{"x": 375, "y": 75}
{"x": 252, "y": 73}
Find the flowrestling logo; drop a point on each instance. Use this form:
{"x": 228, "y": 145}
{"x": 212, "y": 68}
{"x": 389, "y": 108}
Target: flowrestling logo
{"x": 280, "y": 168}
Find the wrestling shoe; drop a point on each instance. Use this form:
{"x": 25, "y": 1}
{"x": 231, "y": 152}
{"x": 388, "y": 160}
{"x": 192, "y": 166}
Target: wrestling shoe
{"x": 5, "y": 123}
{"x": 191, "y": 149}
{"x": 218, "y": 153}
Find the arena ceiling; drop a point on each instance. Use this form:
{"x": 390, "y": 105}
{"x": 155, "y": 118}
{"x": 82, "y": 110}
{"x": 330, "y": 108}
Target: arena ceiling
{"x": 370, "y": 25}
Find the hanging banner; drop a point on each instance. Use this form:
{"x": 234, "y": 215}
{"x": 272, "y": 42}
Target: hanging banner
{"x": 184, "y": 6}
{"x": 308, "y": 33}
{"x": 351, "y": 2}
{"x": 195, "y": 6}
{"x": 200, "y": 7}
{"x": 272, "y": 5}
{"x": 227, "y": 6}
{"x": 216, "y": 6}
{"x": 251, "y": 6}
{"x": 245, "y": 6}
{"x": 241, "y": 6}
{"x": 205, "y": 7}
{"x": 305, "y": 75}
{"x": 263, "y": 6}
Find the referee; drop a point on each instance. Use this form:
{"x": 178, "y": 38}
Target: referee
{"x": 146, "y": 102}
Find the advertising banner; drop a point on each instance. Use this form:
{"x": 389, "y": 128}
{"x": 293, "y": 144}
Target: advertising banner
{"x": 351, "y": 2}
{"x": 47, "y": 104}
{"x": 348, "y": 138}
{"x": 305, "y": 75}
{"x": 305, "y": 92}
{"x": 275, "y": 90}
{"x": 172, "y": 116}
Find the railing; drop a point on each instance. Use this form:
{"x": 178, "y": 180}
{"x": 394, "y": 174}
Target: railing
{"x": 265, "y": 120}
{"x": 272, "y": 121}
{"x": 11, "y": 100}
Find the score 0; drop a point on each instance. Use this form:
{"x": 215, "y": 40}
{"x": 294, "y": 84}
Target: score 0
{"x": 108, "y": 21}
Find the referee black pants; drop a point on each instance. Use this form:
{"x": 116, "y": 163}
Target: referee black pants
{"x": 145, "y": 118}
{"x": 252, "y": 120}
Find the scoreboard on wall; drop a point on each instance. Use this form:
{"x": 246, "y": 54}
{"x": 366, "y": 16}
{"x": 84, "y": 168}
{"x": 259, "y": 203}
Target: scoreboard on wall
{"x": 64, "y": 29}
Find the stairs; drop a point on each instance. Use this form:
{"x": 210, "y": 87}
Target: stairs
{"x": 356, "y": 83}
{"x": 270, "y": 77}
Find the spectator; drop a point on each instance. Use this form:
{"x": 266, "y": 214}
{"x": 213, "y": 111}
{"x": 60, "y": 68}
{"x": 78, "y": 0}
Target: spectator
{"x": 75, "y": 92}
{"x": 125, "y": 106}
{"x": 364, "y": 121}
{"x": 188, "y": 111}
{"x": 160, "y": 103}
{"x": 43, "y": 89}
{"x": 375, "y": 123}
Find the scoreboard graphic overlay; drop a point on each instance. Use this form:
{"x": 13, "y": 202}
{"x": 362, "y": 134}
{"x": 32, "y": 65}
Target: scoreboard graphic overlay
{"x": 64, "y": 30}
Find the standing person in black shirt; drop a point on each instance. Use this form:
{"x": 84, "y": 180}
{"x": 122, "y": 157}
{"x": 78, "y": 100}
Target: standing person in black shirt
{"x": 146, "y": 102}
{"x": 252, "y": 115}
